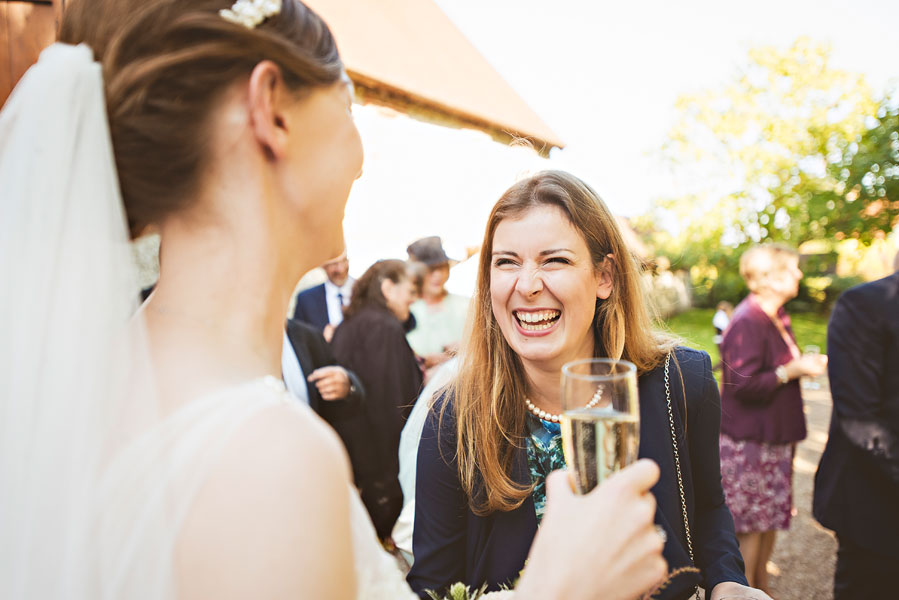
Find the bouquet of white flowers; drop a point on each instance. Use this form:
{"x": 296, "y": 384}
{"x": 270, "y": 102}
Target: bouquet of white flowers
{"x": 460, "y": 591}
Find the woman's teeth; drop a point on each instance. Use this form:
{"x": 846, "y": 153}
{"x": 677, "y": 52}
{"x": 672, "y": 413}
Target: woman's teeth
{"x": 537, "y": 321}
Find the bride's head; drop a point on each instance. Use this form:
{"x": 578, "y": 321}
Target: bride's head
{"x": 221, "y": 123}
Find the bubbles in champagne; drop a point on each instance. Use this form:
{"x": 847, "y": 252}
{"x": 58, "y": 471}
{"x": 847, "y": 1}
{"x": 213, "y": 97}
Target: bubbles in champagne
{"x": 597, "y": 442}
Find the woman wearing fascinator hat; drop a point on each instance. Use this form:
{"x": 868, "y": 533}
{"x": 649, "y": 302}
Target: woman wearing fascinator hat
{"x": 439, "y": 315}
{"x": 154, "y": 453}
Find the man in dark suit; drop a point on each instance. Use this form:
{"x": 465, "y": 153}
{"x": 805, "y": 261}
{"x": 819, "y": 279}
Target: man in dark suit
{"x": 857, "y": 483}
{"x": 322, "y": 306}
{"x": 312, "y": 375}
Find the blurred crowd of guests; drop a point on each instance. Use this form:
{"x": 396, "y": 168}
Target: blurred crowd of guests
{"x": 360, "y": 351}
{"x": 366, "y": 347}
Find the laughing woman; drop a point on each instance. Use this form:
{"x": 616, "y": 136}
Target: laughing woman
{"x": 557, "y": 284}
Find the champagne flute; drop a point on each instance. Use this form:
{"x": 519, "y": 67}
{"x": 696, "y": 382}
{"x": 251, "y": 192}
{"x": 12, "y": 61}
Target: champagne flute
{"x": 811, "y": 383}
{"x": 600, "y": 419}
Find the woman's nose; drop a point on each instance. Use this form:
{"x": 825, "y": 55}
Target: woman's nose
{"x": 530, "y": 282}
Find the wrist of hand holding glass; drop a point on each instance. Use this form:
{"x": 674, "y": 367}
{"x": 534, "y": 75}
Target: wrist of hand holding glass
{"x": 781, "y": 372}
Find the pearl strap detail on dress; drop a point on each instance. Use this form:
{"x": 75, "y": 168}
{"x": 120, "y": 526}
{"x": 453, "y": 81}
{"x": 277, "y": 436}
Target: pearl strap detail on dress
{"x": 542, "y": 414}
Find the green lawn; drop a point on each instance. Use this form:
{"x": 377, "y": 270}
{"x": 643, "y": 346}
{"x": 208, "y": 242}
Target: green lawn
{"x": 695, "y": 326}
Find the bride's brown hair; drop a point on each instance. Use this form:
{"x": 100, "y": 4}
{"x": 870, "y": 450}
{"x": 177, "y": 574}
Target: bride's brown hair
{"x": 166, "y": 64}
{"x": 490, "y": 388}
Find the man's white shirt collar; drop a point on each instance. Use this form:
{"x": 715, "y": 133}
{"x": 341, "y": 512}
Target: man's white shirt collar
{"x": 335, "y": 311}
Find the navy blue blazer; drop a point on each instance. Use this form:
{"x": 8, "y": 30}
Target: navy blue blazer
{"x": 452, "y": 544}
{"x": 857, "y": 483}
{"x": 312, "y": 307}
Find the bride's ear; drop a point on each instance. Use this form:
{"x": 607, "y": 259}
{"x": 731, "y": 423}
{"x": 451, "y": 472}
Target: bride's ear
{"x": 268, "y": 99}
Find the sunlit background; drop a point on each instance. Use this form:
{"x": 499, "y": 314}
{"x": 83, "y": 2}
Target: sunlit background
{"x": 607, "y": 79}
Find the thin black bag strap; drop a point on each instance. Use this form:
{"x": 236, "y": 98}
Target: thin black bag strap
{"x": 680, "y": 479}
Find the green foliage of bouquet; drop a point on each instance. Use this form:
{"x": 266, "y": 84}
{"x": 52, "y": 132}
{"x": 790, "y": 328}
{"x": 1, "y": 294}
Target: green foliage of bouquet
{"x": 460, "y": 591}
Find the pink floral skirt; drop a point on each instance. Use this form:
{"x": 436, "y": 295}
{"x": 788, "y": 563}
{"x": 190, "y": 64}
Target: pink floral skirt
{"x": 758, "y": 483}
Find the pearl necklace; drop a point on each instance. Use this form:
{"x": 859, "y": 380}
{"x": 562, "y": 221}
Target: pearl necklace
{"x": 542, "y": 414}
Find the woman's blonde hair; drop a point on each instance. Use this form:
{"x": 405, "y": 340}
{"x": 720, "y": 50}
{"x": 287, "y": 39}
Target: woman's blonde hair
{"x": 757, "y": 263}
{"x": 491, "y": 386}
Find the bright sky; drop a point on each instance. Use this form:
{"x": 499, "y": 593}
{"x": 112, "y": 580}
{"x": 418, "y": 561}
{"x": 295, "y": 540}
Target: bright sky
{"x": 604, "y": 75}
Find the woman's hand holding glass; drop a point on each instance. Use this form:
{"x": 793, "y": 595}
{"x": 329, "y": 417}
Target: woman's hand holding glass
{"x": 729, "y": 590}
{"x": 808, "y": 365}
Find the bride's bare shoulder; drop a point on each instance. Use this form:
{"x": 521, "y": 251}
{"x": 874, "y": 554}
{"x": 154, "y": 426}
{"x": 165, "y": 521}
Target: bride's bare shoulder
{"x": 272, "y": 518}
{"x": 292, "y": 434}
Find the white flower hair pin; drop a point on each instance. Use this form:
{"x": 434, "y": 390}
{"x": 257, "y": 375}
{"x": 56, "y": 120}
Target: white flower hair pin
{"x": 250, "y": 13}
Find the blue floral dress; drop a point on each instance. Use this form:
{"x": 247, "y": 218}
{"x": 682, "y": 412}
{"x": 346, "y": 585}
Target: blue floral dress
{"x": 544, "y": 456}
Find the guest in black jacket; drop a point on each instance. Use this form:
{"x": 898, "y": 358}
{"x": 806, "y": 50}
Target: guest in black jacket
{"x": 312, "y": 375}
{"x": 371, "y": 341}
{"x": 857, "y": 484}
{"x": 557, "y": 283}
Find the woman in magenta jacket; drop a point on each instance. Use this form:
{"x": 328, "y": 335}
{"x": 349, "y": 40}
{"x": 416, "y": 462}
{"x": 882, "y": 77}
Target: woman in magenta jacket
{"x": 761, "y": 404}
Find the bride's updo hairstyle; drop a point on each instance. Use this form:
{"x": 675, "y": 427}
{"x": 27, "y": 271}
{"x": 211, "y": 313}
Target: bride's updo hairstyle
{"x": 165, "y": 65}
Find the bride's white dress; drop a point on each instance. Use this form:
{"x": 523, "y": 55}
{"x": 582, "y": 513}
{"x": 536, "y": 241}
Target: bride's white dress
{"x": 153, "y": 481}
{"x": 95, "y": 484}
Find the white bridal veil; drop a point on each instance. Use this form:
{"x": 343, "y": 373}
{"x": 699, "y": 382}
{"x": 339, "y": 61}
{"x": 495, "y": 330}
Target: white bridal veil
{"x": 95, "y": 480}
{"x": 73, "y": 391}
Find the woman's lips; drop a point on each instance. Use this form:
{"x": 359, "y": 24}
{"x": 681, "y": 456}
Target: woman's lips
{"x": 536, "y": 322}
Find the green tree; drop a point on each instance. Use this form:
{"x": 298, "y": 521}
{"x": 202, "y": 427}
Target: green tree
{"x": 865, "y": 199}
{"x": 790, "y": 150}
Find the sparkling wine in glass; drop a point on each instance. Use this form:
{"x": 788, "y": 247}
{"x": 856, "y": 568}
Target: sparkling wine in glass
{"x": 811, "y": 383}
{"x": 600, "y": 419}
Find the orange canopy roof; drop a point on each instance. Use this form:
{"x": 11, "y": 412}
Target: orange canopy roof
{"x": 407, "y": 54}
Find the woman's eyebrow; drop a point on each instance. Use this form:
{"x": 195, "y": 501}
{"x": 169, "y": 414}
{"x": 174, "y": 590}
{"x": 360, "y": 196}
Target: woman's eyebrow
{"x": 542, "y": 252}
